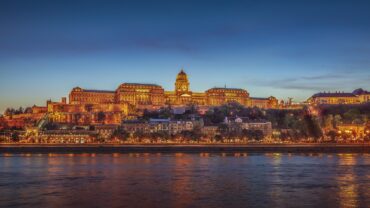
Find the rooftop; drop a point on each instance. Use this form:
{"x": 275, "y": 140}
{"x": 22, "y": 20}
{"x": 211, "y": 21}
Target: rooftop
{"x": 226, "y": 88}
{"x": 99, "y": 91}
{"x": 360, "y": 91}
{"x": 258, "y": 98}
{"x": 144, "y": 84}
{"x": 334, "y": 94}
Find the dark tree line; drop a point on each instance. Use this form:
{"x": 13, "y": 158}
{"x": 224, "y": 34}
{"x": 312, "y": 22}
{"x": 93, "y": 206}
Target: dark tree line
{"x": 20, "y": 110}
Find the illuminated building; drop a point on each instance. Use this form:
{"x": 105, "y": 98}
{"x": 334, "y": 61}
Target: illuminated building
{"x": 220, "y": 96}
{"x": 356, "y": 97}
{"x": 363, "y": 95}
{"x": 270, "y": 102}
{"x": 149, "y": 96}
{"x": 358, "y": 130}
{"x": 161, "y": 125}
{"x": 66, "y": 136}
{"x": 182, "y": 94}
{"x": 82, "y": 96}
{"x": 140, "y": 94}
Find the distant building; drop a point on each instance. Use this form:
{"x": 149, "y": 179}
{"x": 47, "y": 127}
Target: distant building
{"x": 161, "y": 125}
{"x": 66, "y": 136}
{"x": 132, "y": 126}
{"x": 83, "y": 113}
{"x": 266, "y": 103}
{"x": 265, "y": 127}
{"x": 356, "y": 97}
{"x": 83, "y": 96}
{"x": 106, "y": 131}
{"x": 210, "y": 131}
{"x": 239, "y": 124}
{"x": 358, "y": 130}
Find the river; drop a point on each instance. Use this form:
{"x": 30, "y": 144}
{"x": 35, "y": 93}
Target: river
{"x": 185, "y": 180}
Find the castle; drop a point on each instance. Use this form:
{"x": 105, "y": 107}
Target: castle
{"x": 87, "y": 106}
{"x": 149, "y": 96}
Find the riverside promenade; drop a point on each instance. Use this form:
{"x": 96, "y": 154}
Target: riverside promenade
{"x": 184, "y": 148}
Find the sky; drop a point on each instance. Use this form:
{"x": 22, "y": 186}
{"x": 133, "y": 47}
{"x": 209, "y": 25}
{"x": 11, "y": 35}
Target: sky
{"x": 280, "y": 48}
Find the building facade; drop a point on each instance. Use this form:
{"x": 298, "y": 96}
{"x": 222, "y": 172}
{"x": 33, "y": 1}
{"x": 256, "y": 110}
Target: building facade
{"x": 358, "y": 96}
{"x": 149, "y": 96}
{"x": 266, "y": 103}
{"x": 83, "y": 96}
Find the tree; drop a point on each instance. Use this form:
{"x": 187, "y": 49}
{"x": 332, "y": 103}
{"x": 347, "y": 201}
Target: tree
{"x": 332, "y": 134}
{"x": 139, "y": 135}
{"x": 312, "y": 126}
{"x": 258, "y": 135}
{"x": 19, "y": 111}
{"x": 196, "y": 133}
{"x": 28, "y": 110}
{"x": 15, "y": 137}
{"x": 9, "y": 112}
{"x": 352, "y": 114}
{"x": 253, "y": 134}
{"x": 121, "y": 134}
{"x": 337, "y": 120}
{"x": 218, "y": 137}
{"x": 328, "y": 121}
{"x": 223, "y": 129}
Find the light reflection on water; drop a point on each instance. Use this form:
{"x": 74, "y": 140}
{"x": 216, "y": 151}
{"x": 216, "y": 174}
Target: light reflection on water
{"x": 185, "y": 180}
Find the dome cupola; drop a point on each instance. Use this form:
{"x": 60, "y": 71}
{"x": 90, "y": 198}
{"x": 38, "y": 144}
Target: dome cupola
{"x": 182, "y": 83}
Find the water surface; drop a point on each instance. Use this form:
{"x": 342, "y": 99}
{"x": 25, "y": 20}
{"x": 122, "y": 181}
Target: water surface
{"x": 185, "y": 180}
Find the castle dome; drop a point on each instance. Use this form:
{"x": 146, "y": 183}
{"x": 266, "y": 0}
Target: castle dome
{"x": 182, "y": 76}
{"x": 182, "y": 83}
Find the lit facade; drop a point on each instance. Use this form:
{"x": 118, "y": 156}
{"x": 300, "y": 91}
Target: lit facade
{"x": 140, "y": 94}
{"x": 87, "y": 106}
{"x": 153, "y": 96}
{"x": 270, "y": 102}
{"x": 333, "y": 98}
{"x": 82, "y": 96}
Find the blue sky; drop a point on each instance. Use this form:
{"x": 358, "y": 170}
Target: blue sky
{"x": 280, "y": 48}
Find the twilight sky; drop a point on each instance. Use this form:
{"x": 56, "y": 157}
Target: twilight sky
{"x": 281, "y": 48}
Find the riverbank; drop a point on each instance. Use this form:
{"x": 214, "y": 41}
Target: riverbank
{"x": 176, "y": 148}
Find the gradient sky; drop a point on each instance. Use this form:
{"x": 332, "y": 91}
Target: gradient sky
{"x": 281, "y": 48}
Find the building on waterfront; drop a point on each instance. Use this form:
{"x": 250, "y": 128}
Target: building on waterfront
{"x": 265, "y": 127}
{"x": 105, "y": 131}
{"x": 210, "y": 131}
{"x": 161, "y": 125}
{"x": 64, "y": 137}
{"x": 239, "y": 124}
{"x": 358, "y": 96}
{"x": 356, "y": 130}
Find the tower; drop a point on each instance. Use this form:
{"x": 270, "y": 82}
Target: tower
{"x": 182, "y": 83}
